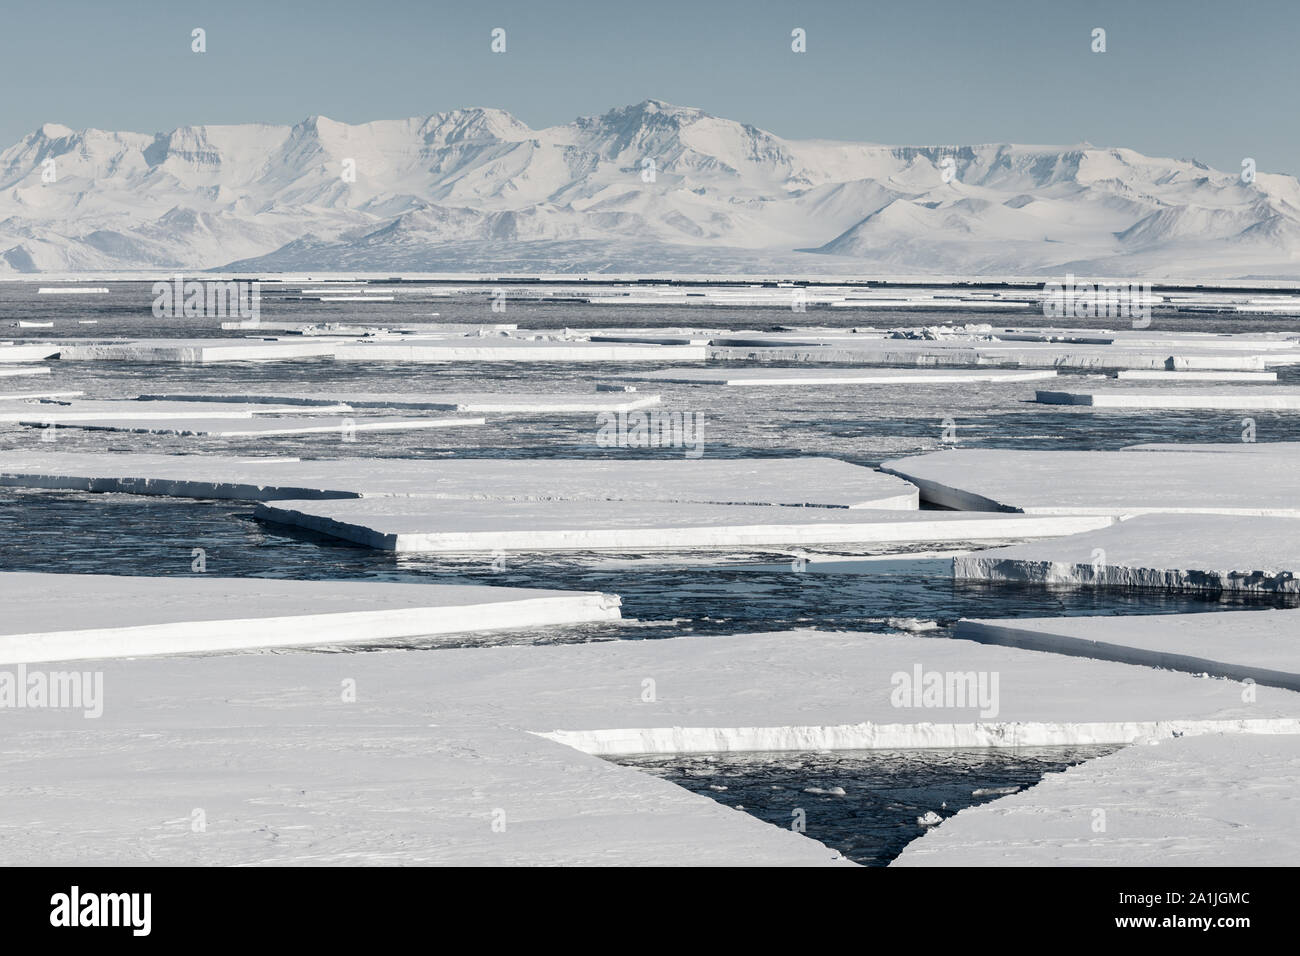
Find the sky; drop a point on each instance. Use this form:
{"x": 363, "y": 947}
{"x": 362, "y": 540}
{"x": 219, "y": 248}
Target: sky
{"x": 1212, "y": 81}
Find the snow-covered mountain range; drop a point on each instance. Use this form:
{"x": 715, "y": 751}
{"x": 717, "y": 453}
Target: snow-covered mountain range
{"x": 646, "y": 188}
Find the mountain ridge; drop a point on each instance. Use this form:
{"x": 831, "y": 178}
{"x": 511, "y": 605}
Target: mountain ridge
{"x": 687, "y": 190}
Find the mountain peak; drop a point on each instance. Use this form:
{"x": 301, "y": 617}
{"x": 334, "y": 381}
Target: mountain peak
{"x": 54, "y": 131}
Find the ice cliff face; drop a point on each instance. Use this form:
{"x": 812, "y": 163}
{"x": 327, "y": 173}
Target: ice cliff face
{"x": 651, "y": 187}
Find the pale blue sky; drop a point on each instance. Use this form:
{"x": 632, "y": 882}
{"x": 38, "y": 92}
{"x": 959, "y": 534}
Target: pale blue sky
{"x": 1212, "y": 80}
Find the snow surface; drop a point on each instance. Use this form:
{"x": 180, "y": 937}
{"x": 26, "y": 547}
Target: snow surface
{"x": 1208, "y": 801}
{"x": 435, "y": 741}
{"x": 1105, "y": 482}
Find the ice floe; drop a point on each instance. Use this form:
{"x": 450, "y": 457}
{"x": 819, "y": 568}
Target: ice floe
{"x": 56, "y": 617}
{"x": 1194, "y": 552}
{"x": 1104, "y": 482}
{"x": 1257, "y": 646}
{"x": 1243, "y": 397}
{"x": 253, "y": 427}
{"x": 524, "y": 402}
{"x": 1207, "y": 802}
{"x": 462, "y": 731}
{"x": 422, "y": 524}
{"x": 818, "y": 482}
{"x": 820, "y": 376}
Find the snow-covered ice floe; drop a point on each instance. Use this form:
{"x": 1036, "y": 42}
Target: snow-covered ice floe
{"x": 195, "y": 351}
{"x": 113, "y": 410}
{"x": 822, "y": 376}
{"x": 1267, "y": 449}
{"x": 525, "y": 402}
{"x": 1104, "y": 482}
{"x": 57, "y": 617}
{"x": 18, "y": 370}
{"x": 514, "y": 350}
{"x": 1260, "y": 646}
{"x": 422, "y": 524}
{"x": 1156, "y": 376}
{"x": 1207, "y": 801}
{"x": 358, "y": 326}
{"x": 1244, "y": 397}
{"x": 28, "y": 352}
{"x": 1189, "y": 552}
{"x": 816, "y": 482}
{"x": 31, "y": 396}
{"x": 261, "y": 426}
{"x": 461, "y": 730}
{"x": 957, "y": 352}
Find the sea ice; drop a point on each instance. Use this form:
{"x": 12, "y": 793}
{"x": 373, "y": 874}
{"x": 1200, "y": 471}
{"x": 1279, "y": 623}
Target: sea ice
{"x": 423, "y": 524}
{"x": 1257, "y": 646}
{"x": 1192, "y": 552}
{"x": 817, "y": 482}
{"x": 1104, "y": 482}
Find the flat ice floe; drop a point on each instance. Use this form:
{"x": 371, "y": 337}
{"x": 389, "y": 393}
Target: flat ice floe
{"x": 539, "y": 402}
{"x": 461, "y": 730}
{"x": 817, "y": 482}
{"x": 115, "y": 410}
{"x": 57, "y": 617}
{"x": 194, "y": 351}
{"x": 1156, "y": 376}
{"x": 823, "y": 376}
{"x": 1104, "y": 482}
{"x": 959, "y": 352}
{"x": 1241, "y": 645}
{"x": 515, "y": 350}
{"x": 430, "y": 525}
{"x": 32, "y": 396}
{"x": 18, "y": 370}
{"x": 28, "y": 352}
{"x": 1267, "y": 449}
{"x": 1191, "y": 552}
{"x": 354, "y": 327}
{"x": 261, "y": 426}
{"x": 1213, "y": 801}
{"x": 1243, "y": 397}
